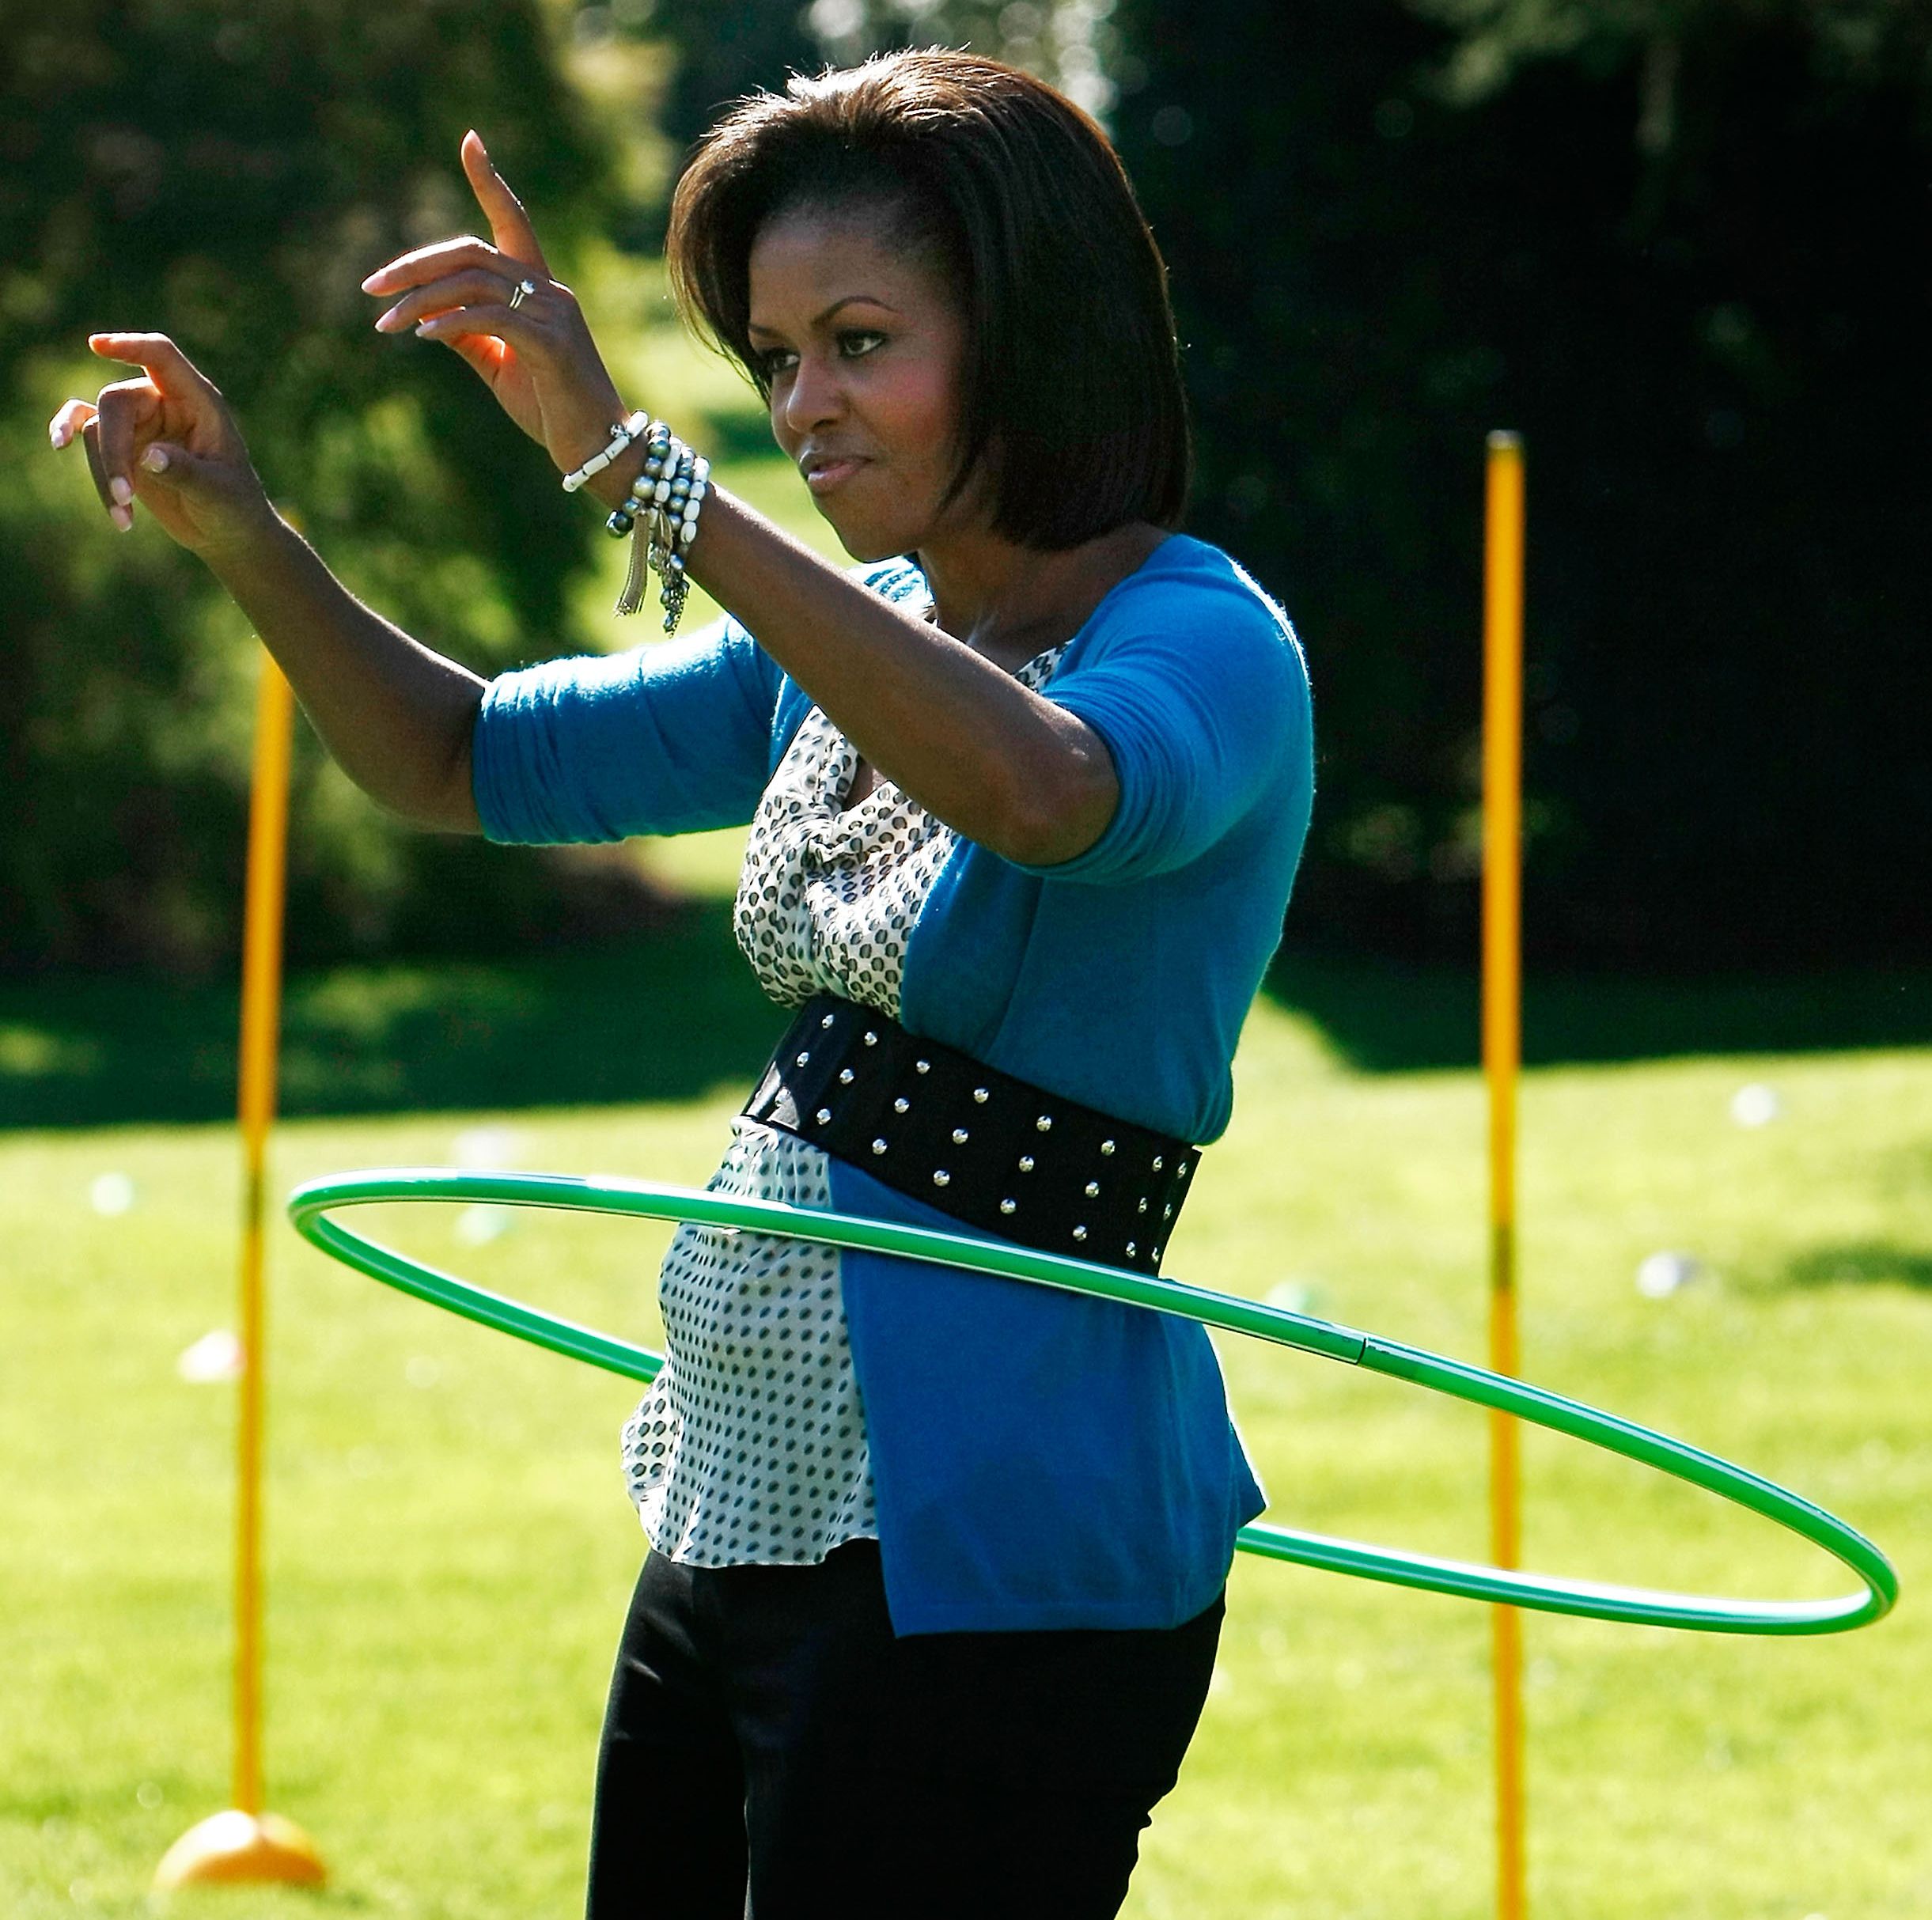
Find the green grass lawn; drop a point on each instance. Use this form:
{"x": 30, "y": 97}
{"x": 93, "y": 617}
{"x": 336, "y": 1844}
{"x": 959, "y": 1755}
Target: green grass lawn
{"x": 450, "y": 1549}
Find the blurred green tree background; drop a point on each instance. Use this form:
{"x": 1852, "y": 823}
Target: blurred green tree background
{"x": 229, "y": 173}
{"x": 1685, "y": 248}
{"x": 1681, "y": 245}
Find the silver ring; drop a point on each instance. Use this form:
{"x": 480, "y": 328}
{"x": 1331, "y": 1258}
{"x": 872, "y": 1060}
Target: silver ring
{"x": 524, "y": 289}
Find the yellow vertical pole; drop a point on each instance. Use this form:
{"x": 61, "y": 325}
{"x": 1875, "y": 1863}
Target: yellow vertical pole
{"x": 1502, "y": 837}
{"x": 245, "y": 1844}
{"x": 261, "y": 1032}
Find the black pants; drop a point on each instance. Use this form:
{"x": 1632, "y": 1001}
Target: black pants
{"x": 770, "y": 1750}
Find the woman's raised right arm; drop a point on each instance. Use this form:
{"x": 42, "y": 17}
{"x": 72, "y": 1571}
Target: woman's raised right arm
{"x": 396, "y": 717}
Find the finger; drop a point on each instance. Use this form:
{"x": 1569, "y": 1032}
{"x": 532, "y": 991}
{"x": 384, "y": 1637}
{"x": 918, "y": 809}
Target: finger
{"x": 122, "y": 514}
{"x": 74, "y": 416}
{"x": 125, "y": 410}
{"x": 481, "y": 351}
{"x": 90, "y": 439}
{"x": 431, "y": 262}
{"x": 440, "y": 295}
{"x": 169, "y": 468}
{"x": 168, "y": 366}
{"x": 509, "y": 224}
{"x": 460, "y": 322}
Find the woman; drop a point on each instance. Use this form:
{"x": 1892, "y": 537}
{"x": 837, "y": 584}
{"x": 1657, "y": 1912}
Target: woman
{"x": 937, "y": 1560}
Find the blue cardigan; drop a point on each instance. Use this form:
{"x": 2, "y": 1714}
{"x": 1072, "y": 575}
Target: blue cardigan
{"x": 1040, "y": 1461}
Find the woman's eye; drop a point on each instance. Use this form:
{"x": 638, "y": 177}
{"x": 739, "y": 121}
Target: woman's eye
{"x": 853, "y": 344}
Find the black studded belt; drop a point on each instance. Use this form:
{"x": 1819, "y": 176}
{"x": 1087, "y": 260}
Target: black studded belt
{"x": 997, "y": 1153}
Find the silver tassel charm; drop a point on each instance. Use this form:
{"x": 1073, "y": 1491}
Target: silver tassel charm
{"x": 635, "y": 574}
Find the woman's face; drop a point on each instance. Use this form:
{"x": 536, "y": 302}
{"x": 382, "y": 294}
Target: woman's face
{"x": 862, "y": 344}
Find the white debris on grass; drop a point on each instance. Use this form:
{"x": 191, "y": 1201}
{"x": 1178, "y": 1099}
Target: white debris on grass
{"x": 111, "y": 1195}
{"x": 1756, "y": 1104}
{"x": 1295, "y": 1295}
{"x": 213, "y": 1357}
{"x": 1661, "y": 1274}
{"x": 476, "y": 1226}
{"x": 487, "y": 1149}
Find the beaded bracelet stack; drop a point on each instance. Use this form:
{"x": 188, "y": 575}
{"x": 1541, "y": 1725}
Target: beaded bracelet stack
{"x": 663, "y": 507}
{"x": 660, "y": 511}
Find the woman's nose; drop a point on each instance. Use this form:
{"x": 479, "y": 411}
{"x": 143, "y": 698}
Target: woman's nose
{"x": 815, "y": 395}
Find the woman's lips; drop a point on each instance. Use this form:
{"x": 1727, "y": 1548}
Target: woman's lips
{"x": 823, "y": 476}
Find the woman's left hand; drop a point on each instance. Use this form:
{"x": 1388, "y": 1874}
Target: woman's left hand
{"x": 537, "y": 357}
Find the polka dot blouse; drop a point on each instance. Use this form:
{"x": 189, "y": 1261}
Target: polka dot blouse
{"x": 750, "y": 1448}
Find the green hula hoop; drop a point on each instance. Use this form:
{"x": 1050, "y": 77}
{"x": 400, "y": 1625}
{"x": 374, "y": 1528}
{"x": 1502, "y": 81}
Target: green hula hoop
{"x": 311, "y": 1206}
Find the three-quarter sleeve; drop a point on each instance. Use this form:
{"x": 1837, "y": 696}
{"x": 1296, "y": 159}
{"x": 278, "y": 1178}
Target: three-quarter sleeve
{"x": 1200, "y": 691}
{"x": 667, "y": 739}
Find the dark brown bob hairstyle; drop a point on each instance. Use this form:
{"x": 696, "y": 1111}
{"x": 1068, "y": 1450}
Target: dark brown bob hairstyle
{"x": 1071, "y": 403}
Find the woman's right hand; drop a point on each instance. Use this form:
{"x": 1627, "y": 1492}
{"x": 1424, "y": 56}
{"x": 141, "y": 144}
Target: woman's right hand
{"x": 396, "y": 717}
{"x": 169, "y": 440}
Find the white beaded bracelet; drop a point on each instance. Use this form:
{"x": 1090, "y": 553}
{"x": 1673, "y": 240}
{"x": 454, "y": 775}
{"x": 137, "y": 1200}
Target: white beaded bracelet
{"x": 621, "y": 436}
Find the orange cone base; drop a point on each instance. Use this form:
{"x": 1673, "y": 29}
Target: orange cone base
{"x": 234, "y": 1850}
